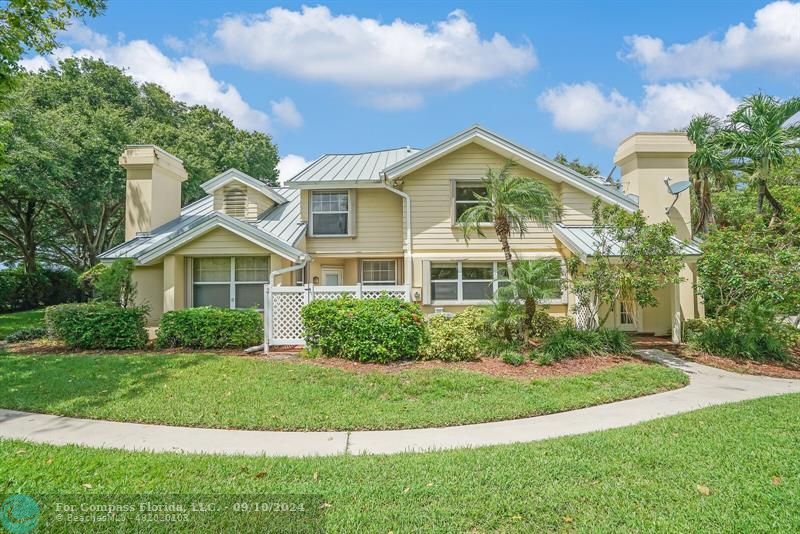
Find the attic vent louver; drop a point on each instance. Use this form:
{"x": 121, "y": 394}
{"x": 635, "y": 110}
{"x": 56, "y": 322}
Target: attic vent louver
{"x": 234, "y": 201}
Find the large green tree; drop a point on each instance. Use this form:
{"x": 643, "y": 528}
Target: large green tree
{"x": 758, "y": 133}
{"x": 85, "y": 112}
{"x": 32, "y": 25}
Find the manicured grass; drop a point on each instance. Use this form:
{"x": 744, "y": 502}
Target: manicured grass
{"x": 732, "y": 468}
{"x": 234, "y": 392}
{"x": 11, "y": 322}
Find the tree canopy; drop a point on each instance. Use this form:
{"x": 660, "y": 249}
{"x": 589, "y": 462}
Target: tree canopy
{"x": 70, "y": 123}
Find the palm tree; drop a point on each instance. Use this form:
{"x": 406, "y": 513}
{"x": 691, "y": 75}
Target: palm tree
{"x": 532, "y": 282}
{"x": 510, "y": 204}
{"x": 757, "y": 134}
{"x": 706, "y": 165}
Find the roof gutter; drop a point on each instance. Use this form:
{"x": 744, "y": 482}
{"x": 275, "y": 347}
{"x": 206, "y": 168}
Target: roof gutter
{"x": 407, "y": 263}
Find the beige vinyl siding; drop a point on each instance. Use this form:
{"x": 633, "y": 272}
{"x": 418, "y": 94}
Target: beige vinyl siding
{"x": 220, "y": 242}
{"x": 431, "y": 200}
{"x": 577, "y": 205}
{"x": 378, "y": 225}
{"x": 256, "y": 202}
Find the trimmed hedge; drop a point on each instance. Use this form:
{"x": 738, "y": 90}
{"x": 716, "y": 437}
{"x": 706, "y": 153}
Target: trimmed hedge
{"x": 210, "y": 328}
{"x": 97, "y": 326}
{"x": 370, "y": 330}
{"x": 456, "y": 338}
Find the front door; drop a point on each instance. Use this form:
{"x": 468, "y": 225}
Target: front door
{"x": 627, "y": 316}
{"x": 332, "y": 276}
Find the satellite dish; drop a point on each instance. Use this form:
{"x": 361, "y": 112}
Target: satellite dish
{"x": 675, "y": 190}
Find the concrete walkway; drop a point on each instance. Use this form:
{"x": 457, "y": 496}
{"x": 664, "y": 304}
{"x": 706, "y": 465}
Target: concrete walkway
{"x": 708, "y": 386}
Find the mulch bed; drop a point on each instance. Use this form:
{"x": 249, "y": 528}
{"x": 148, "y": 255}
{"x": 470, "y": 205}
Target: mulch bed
{"x": 774, "y": 369}
{"x": 489, "y": 366}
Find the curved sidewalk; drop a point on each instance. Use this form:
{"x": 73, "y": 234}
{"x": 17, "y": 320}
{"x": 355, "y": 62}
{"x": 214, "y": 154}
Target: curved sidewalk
{"x": 708, "y": 386}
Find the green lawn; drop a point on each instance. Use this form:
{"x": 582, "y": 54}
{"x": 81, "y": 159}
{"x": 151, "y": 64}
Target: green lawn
{"x": 11, "y": 322}
{"x": 234, "y": 392}
{"x": 648, "y": 478}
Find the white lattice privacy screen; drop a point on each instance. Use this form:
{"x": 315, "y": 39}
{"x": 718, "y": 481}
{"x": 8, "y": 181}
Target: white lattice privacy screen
{"x": 283, "y": 326}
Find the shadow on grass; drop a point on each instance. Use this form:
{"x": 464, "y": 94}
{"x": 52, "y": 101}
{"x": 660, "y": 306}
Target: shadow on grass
{"x": 68, "y": 385}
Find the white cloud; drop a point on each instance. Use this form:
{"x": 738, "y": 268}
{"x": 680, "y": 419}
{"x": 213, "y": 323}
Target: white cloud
{"x": 583, "y": 107}
{"x": 773, "y": 41}
{"x": 364, "y": 53}
{"x": 187, "y": 78}
{"x": 35, "y": 63}
{"x": 286, "y": 112}
{"x": 289, "y": 165}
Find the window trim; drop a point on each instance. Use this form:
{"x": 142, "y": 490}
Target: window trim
{"x": 350, "y": 213}
{"x": 454, "y": 181}
{"x": 232, "y": 282}
{"x": 495, "y": 284}
{"x": 391, "y": 283}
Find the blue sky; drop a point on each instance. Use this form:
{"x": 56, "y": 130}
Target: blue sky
{"x": 356, "y": 76}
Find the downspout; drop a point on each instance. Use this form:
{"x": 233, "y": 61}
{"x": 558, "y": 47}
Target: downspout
{"x": 303, "y": 262}
{"x": 408, "y": 267}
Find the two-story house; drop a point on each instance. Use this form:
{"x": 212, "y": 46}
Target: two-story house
{"x": 387, "y": 217}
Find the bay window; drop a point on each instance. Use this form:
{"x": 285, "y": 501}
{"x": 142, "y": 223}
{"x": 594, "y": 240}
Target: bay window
{"x": 330, "y": 213}
{"x": 379, "y": 272}
{"x": 230, "y": 282}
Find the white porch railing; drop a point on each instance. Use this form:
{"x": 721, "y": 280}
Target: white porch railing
{"x": 282, "y": 323}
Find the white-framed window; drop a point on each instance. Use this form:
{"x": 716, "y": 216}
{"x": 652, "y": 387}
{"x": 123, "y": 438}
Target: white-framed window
{"x": 464, "y": 196}
{"x": 332, "y": 276}
{"x": 472, "y": 282}
{"x": 330, "y": 213}
{"x": 379, "y": 272}
{"x": 230, "y": 281}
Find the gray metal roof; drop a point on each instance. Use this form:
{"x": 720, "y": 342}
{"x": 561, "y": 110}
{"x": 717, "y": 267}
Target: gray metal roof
{"x": 280, "y": 223}
{"x": 355, "y": 168}
{"x": 583, "y": 241}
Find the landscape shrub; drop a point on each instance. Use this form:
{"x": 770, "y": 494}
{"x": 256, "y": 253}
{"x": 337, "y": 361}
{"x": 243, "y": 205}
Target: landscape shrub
{"x": 456, "y": 338}
{"x": 543, "y": 324}
{"x": 97, "y": 326}
{"x": 369, "y": 330}
{"x": 569, "y": 342}
{"x": 210, "y": 328}
{"x": 512, "y": 357}
{"x": 87, "y": 280}
{"x": 750, "y": 331}
{"x": 27, "y": 334}
{"x": 43, "y": 287}
{"x": 115, "y": 284}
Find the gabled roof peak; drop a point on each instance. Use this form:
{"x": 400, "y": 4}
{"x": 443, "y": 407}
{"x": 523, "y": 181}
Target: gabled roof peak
{"x": 233, "y": 174}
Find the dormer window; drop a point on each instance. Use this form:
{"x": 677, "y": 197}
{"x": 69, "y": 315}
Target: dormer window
{"x": 234, "y": 201}
{"x": 330, "y": 213}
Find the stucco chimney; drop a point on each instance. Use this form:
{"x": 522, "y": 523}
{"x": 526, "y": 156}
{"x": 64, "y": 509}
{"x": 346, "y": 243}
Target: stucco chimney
{"x": 153, "y": 188}
{"x": 646, "y": 160}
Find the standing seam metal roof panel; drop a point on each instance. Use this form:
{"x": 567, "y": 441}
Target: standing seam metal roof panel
{"x": 364, "y": 167}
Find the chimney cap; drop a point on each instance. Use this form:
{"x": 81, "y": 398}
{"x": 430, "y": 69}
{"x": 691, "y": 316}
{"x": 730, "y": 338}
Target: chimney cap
{"x": 654, "y": 144}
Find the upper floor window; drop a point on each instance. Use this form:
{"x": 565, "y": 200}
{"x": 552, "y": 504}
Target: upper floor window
{"x": 330, "y": 213}
{"x": 466, "y": 196}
